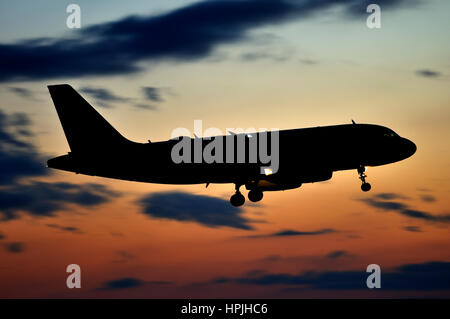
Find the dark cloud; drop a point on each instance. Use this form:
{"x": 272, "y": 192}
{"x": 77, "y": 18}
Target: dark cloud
{"x": 127, "y": 283}
{"x": 17, "y": 120}
{"x": 123, "y": 283}
{"x": 428, "y": 73}
{"x": 419, "y": 277}
{"x": 2, "y": 236}
{"x": 22, "y": 92}
{"x": 404, "y": 210}
{"x": 188, "y": 33}
{"x": 145, "y": 106}
{"x": 301, "y": 233}
{"x": 206, "y": 210}
{"x": 17, "y": 164}
{"x": 414, "y": 229}
{"x": 256, "y": 56}
{"x": 106, "y": 98}
{"x": 45, "y": 199}
{"x": 428, "y": 198}
{"x": 18, "y": 157}
{"x": 390, "y": 196}
{"x": 289, "y": 233}
{"x": 385, "y": 205}
{"x": 70, "y": 229}
{"x": 15, "y": 248}
{"x": 426, "y": 216}
{"x": 337, "y": 254}
{"x": 103, "y": 97}
{"x": 153, "y": 94}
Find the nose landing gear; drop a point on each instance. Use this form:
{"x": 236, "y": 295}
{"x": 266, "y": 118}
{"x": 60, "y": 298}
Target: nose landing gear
{"x": 237, "y": 199}
{"x": 365, "y": 187}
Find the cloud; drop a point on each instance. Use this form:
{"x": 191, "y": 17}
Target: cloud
{"x": 15, "y": 248}
{"x": 289, "y": 233}
{"x": 152, "y": 94}
{"x": 71, "y": 229}
{"x": 256, "y": 56}
{"x": 123, "y": 283}
{"x": 127, "y": 283}
{"x": 426, "y": 73}
{"x": 384, "y": 205}
{"x": 420, "y": 277}
{"x": 414, "y": 229}
{"x": 18, "y": 157}
{"x": 23, "y": 93}
{"x": 428, "y": 198}
{"x": 404, "y": 210}
{"x": 145, "y": 106}
{"x": 184, "y": 34}
{"x": 390, "y": 196}
{"x": 20, "y": 120}
{"x": 2, "y": 236}
{"x": 103, "y": 97}
{"x": 337, "y": 254}
{"x": 43, "y": 199}
{"x": 426, "y": 216}
{"x": 205, "y": 210}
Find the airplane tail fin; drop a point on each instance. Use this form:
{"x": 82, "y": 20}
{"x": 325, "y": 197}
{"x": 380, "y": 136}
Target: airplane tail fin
{"x": 85, "y": 129}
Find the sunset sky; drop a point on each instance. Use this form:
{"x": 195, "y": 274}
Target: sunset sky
{"x": 152, "y": 66}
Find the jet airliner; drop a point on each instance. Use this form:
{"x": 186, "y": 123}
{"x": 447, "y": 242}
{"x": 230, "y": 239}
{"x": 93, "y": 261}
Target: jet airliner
{"x": 306, "y": 155}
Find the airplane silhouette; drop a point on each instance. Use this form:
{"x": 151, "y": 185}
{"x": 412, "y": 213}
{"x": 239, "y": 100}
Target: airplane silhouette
{"x": 306, "y": 155}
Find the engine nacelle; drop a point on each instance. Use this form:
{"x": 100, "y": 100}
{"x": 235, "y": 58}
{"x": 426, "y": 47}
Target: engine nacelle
{"x": 312, "y": 177}
{"x": 266, "y": 185}
{"x": 279, "y": 182}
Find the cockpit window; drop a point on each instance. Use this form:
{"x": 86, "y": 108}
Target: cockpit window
{"x": 389, "y": 134}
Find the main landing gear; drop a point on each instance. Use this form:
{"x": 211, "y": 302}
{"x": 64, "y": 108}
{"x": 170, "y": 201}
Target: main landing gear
{"x": 255, "y": 195}
{"x": 365, "y": 187}
{"x": 237, "y": 199}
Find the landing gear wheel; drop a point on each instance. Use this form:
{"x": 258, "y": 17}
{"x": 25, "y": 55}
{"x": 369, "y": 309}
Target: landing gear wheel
{"x": 365, "y": 187}
{"x": 237, "y": 200}
{"x": 255, "y": 195}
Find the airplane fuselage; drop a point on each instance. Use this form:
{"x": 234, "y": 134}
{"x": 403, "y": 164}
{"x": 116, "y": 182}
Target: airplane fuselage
{"x": 296, "y": 156}
{"x": 305, "y": 155}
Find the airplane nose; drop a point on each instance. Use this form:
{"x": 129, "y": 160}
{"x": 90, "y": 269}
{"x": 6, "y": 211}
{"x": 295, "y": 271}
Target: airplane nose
{"x": 409, "y": 148}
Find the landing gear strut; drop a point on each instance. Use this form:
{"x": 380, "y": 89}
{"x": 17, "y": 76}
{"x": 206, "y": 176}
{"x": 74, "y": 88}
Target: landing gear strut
{"x": 365, "y": 187}
{"x": 237, "y": 199}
